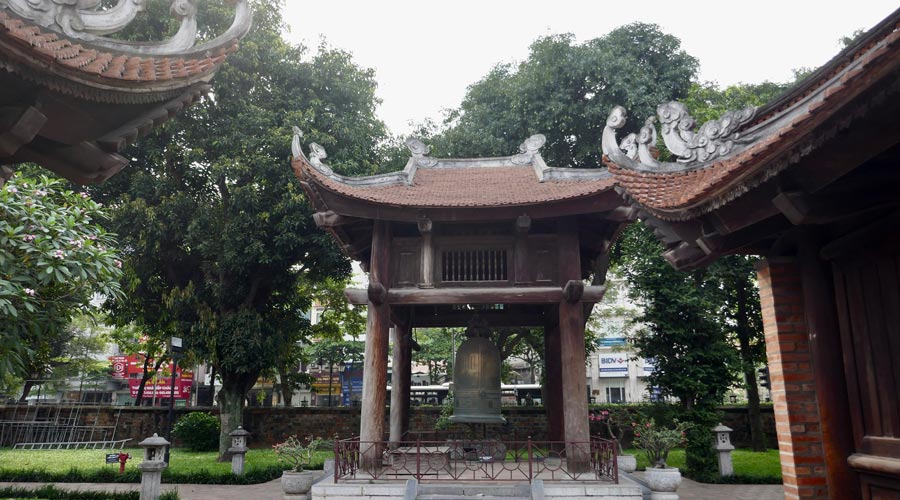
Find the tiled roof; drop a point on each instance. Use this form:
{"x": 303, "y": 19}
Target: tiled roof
{"x": 69, "y": 57}
{"x": 681, "y": 191}
{"x": 471, "y": 186}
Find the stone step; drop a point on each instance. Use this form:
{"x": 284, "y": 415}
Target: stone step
{"x": 481, "y": 491}
{"x": 470, "y": 497}
{"x": 479, "y": 497}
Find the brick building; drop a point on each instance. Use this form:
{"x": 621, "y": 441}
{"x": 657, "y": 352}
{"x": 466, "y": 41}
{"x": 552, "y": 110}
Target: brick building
{"x": 809, "y": 182}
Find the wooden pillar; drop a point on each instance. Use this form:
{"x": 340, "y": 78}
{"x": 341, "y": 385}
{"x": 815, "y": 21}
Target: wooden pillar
{"x": 425, "y": 229}
{"x": 571, "y": 333}
{"x": 374, "y": 393}
{"x": 523, "y": 275}
{"x": 827, "y": 358}
{"x": 402, "y": 375}
{"x": 553, "y": 387}
{"x": 794, "y": 389}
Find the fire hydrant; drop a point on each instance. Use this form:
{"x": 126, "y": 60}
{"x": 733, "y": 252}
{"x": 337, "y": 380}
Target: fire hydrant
{"x": 123, "y": 457}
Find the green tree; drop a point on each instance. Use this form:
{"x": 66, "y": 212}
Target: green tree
{"x": 565, "y": 90}
{"x": 151, "y": 350}
{"x": 219, "y": 234}
{"x": 334, "y": 352}
{"x": 695, "y": 360}
{"x": 54, "y": 257}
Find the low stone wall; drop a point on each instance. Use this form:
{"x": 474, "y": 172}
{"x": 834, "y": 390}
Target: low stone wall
{"x": 270, "y": 425}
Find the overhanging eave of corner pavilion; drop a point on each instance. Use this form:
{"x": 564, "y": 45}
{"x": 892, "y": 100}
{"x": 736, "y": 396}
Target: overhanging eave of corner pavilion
{"x": 758, "y": 174}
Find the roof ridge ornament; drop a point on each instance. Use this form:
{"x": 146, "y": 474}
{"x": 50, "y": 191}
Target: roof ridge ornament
{"x": 419, "y": 151}
{"x": 713, "y": 139}
{"x": 528, "y": 149}
{"x": 87, "y": 20}
{"x": 316, "y": 155}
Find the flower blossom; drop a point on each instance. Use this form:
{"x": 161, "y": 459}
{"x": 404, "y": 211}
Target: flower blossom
{"x": 59, "y": 254}
{"x": 29, "y": 238}
{"x": 28, "y": 291}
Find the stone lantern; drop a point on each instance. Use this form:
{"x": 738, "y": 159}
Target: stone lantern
{"x": 152, "y": 466}
{"x": 724, "y": 447}
{"x": 238, "y": 450}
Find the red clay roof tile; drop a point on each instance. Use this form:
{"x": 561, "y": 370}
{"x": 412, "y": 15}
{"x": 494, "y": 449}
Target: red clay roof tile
{"x": 464, "y": 187}
{"x": 109, "y": 65}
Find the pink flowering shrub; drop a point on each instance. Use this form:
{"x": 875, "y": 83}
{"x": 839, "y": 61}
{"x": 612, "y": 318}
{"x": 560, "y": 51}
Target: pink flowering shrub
{"x": 657, "y": 440}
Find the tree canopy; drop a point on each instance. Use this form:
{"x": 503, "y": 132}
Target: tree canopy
{"x": 565, "y": 90}
{"x": 54, "y": 257}
{"x": 218, "y": 233}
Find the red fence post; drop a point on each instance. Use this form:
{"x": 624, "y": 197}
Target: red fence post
{"x": 418, "y": 460}
{"x": 530, "y": 471}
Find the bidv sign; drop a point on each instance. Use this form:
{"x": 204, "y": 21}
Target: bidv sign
{"x": 613, "y": 365}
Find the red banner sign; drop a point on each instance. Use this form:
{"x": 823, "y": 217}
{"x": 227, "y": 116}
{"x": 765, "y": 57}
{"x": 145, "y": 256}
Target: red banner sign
{"x": 131, "y": 368}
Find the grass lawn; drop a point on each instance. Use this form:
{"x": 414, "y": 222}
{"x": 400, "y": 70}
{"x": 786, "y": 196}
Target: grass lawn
{"x": 746, "y": 463}
{"x": 89, "y": 466}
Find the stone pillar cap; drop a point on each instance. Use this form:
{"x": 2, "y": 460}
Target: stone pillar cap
{"x": 240, "y": 431}
{"x": 722, "y": 428}
{"x": 154, "y": 440}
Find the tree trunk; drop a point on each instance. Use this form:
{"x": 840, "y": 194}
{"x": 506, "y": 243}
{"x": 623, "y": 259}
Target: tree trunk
{"x": 757, "y": 434}
{"x": 287, "y": 393}
{"x": 231, "y": 406}
{"x": 26, "y": 390}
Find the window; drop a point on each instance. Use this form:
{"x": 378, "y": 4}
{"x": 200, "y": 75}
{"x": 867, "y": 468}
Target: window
{"x": 615, "y": 394}
{"x": 474, "y": 265}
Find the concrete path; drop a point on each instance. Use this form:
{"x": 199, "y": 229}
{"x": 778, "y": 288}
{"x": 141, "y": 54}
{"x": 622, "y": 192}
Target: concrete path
{"x": 689, "y": 490}
{"x": 264, "y": 491}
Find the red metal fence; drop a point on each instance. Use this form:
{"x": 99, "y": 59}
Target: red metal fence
{"x": 476, "y": 460}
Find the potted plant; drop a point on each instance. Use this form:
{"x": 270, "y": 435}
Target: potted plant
{"x": 298, "y": 453}
{"x": 656, "y": 441}
{"x": 617, "y": 421}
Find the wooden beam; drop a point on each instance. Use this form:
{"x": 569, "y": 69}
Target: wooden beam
{"x": 801, "y": 208}
{"x": 857, "y": 240}
{"x": 492, "y": 318}
{"x": 511, "y": 295}
{"x": 329, "y": 219}
{"x": 18, "y": 127}
{"x": 867, "y": 138}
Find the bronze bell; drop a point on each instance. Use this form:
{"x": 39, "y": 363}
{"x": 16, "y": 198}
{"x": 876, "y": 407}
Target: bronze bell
{"x": 476, "y": 383}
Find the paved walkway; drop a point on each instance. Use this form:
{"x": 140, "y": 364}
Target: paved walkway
{"x": 689, "y": 490}
{"x": 264, "y": 491}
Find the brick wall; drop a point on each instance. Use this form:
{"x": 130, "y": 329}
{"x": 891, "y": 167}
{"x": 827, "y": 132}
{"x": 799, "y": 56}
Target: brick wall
{"x": 270, "y": 425}
{"x": 793, "y": 385}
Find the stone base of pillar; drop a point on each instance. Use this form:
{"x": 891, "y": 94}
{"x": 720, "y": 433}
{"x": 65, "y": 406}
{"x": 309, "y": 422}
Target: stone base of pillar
{"x": 150, "y": 483}
{"x": 237, "y": 464}
{"x": 304, "y": 496}
{"x": 659, "y": 495}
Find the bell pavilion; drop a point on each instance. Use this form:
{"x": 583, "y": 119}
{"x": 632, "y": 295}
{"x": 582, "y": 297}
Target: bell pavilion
{"x": 509, "y": 239}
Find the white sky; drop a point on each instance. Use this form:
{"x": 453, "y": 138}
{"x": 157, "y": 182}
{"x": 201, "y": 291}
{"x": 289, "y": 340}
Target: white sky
{"x": 425, "y": 53}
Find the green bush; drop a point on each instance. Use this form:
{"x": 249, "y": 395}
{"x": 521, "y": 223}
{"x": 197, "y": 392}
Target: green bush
{"x": 53, "y": 493}
{"x": 198, "y": 431}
